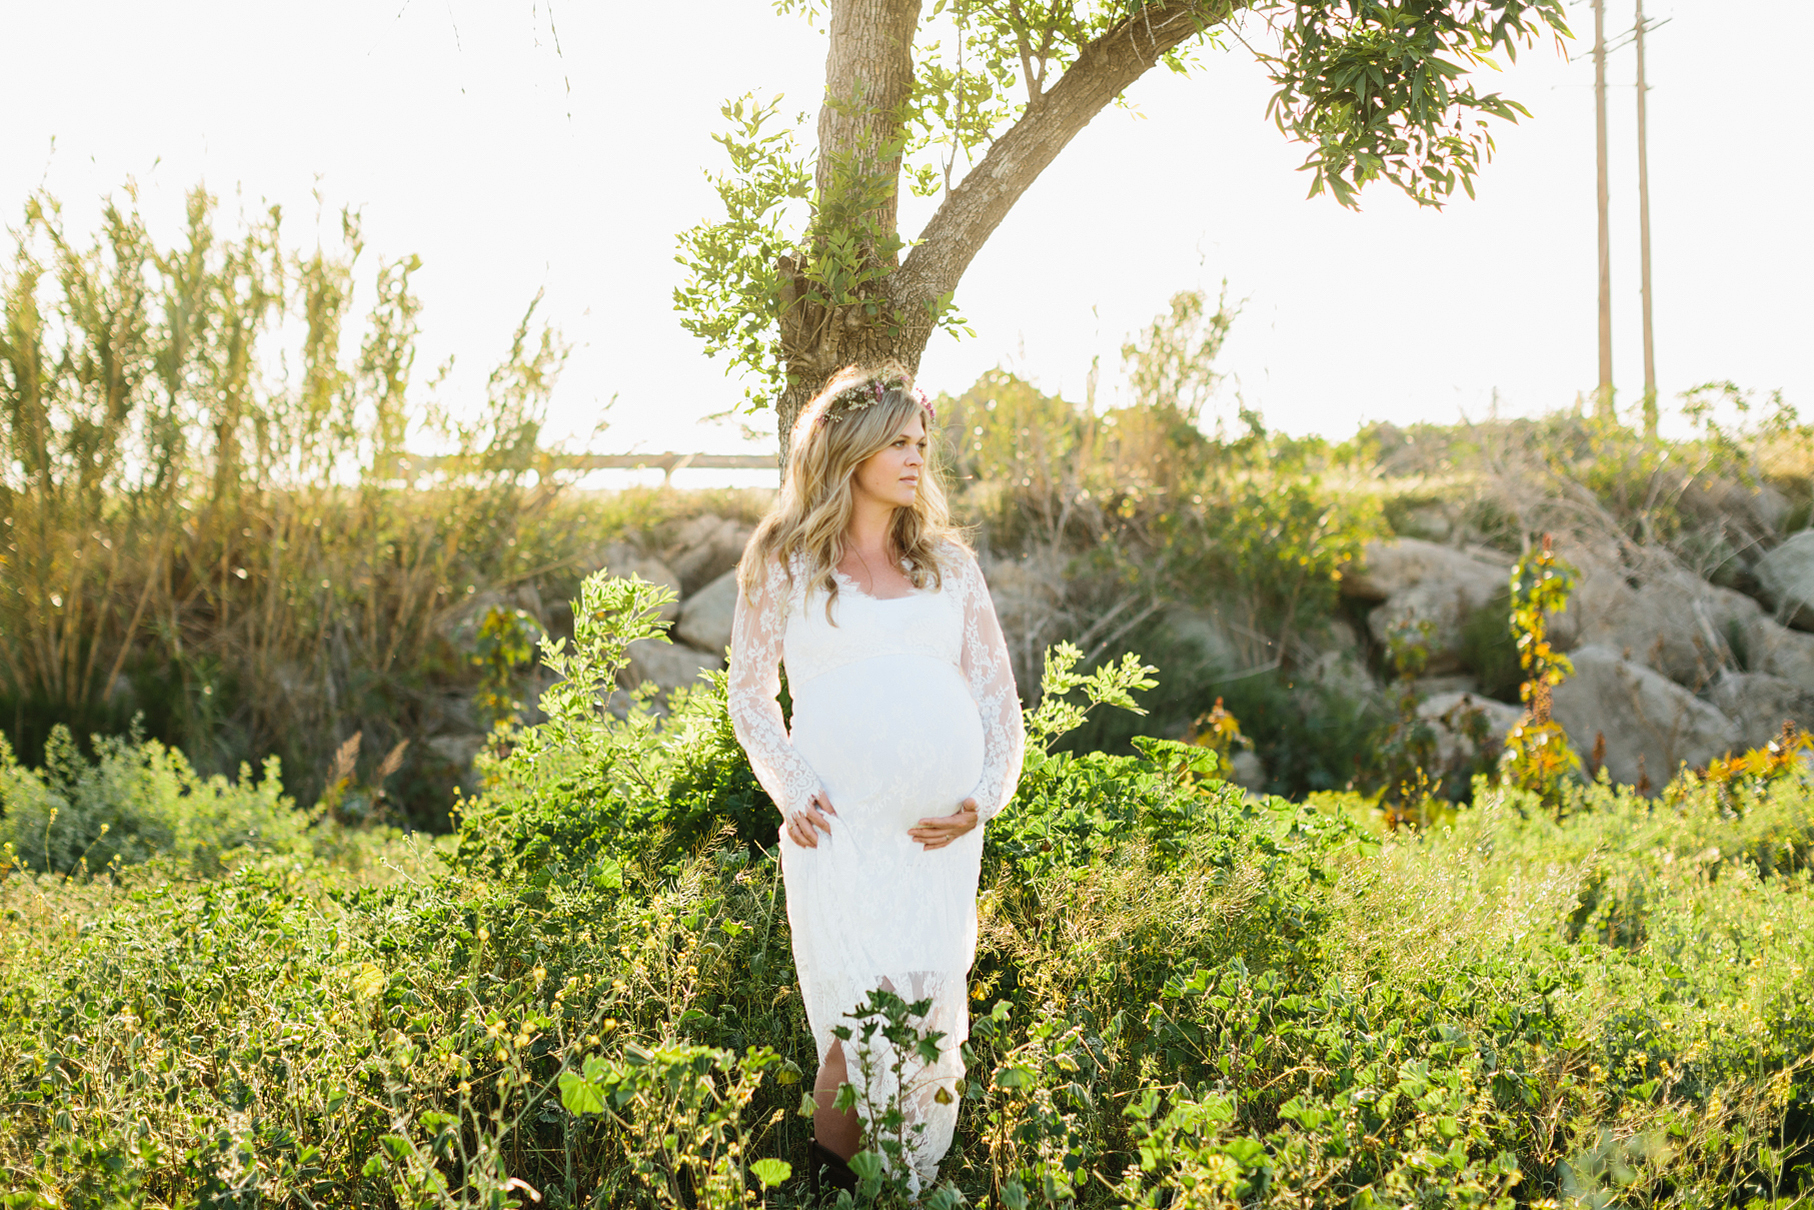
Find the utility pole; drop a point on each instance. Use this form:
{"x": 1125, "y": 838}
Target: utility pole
{"x": 1650, "y": 357}
{"x": 1603, "y": 405}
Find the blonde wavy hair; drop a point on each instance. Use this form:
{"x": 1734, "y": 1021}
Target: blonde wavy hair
{"x": 858, "y": 414}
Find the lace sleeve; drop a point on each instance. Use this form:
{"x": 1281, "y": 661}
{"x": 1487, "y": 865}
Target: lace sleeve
{"x": 991, "y": 680}
{"x": 756, "y": 632}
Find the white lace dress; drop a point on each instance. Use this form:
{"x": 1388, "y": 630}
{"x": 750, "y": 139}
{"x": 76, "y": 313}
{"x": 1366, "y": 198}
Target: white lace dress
{"x": 901, "y": 710}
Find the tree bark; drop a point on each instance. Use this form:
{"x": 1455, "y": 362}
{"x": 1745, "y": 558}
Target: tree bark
{"x": 868, "y": 80}
{"x": 871, "y": 40}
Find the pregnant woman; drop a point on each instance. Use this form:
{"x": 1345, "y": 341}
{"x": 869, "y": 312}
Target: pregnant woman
{"x": 906, "y": 736}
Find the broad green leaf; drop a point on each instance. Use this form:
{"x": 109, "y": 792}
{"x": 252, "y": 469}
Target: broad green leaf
{"x": 771, "y": 1172}
{"x": 368, "y": 981}
{"x": 580, "y": 1095}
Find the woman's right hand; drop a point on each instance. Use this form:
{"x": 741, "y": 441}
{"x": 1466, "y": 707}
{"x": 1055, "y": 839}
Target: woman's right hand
{"x": 803, "y": 827}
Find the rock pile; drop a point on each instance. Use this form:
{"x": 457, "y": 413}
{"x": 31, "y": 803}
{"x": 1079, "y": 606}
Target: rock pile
{"x": 698, "y": 566}
{"x": 1669, "y": 669}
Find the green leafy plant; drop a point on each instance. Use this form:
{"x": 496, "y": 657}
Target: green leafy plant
{"x": 682, "y": 1107}
{"x": 506, "y": 643}
{"x": 1182, "y": 994}
{"x": 1407, "y": 745}
{"x": 254, "y": 563}
{"x": 135, "y": 801}
{"x": 1538, "y": 756}
{"x": 1112, "y": 684}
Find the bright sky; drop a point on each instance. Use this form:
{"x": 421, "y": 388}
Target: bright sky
{"x": 510, "y": 168}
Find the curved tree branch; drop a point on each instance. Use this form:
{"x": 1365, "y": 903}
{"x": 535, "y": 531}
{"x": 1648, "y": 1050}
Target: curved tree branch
{"x": 1102, "y": 70}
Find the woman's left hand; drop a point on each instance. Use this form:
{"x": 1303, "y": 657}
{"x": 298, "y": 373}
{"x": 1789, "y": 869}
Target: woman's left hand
{"x": 941, "y": 830}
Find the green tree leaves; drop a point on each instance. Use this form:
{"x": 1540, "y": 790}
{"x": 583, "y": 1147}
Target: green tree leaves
{"x": 1380, "y": 90}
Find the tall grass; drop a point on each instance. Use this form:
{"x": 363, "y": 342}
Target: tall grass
{"x": 211, "y": 515}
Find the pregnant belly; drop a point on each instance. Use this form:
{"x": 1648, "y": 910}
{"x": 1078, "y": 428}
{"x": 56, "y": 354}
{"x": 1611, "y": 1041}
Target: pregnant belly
{"x": 894, "y": 739}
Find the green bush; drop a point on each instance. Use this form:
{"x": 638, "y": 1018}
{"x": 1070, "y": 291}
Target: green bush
{"x": 1309, "y": 737}
{"x": 585, "y": 789}
{"x": 134, "y": 801}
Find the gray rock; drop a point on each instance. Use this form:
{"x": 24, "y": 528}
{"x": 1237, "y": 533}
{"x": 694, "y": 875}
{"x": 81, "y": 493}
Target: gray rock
{"x": 1769, "y": 507}
{"x": 457, "y": 750}
{"x": 1433, "y": 522}
{"x": 625, "y": 561}
{"x": 705, "y": 548}
{"x": 1204, "y": 629}
{"x": 1779, "y": 651}
{"x": 1785, "y": 575}
{"x": 1760, "y": 703}
{"x": 1390, "y": 567}
{"x": 1344, "y": 674}
{"x": 1432, "y": 686}
{"x": 668, "y": 665}
{"x": 1246, "y": 770}
{"x": 1445, "y": 713}
{"x": 1672, "y": 620}
{"x": 1755, "y": 507}
{"x": 1421, "y": 581}
{"x": 1652, "y": 725}
{"x": 705, "y": 617}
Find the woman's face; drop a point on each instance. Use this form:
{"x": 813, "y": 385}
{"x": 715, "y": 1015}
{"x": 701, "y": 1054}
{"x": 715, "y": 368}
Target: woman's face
{"x": 891, "y": 475}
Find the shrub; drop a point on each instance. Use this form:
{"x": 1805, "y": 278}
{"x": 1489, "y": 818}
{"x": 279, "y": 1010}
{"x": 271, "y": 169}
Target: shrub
{"x": 134, "y": 801}
{"x": 585, "y": 789}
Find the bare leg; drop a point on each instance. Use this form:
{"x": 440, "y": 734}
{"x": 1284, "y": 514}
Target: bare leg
{"x": 838, "y": 1132}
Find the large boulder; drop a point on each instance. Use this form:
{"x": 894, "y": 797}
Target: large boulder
{"x": 705, "y": 617}
{"x": 1421, "y": 581}
{"x": 1760, "y": 704}
{"x": 1756, "y": 508}
{"x": 1785, "y": 576}
{"x": 705, "y": 548}
{"x": 1651, "y": 724}
{"x": 668, "y": 665}
{"x": 1246, "y": 770}
{"x": 458, "y": 749}
{"x": 1342, "y": 673}
{"x": 624, "y": 561}
{"x": 1671, "y": 620}
{"x": 1779, "y": 651}
{"x": 1446, "y": 713}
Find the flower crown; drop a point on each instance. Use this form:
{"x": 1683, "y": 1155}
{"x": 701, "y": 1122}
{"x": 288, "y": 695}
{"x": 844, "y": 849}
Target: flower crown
{"x": 869, "y": 391}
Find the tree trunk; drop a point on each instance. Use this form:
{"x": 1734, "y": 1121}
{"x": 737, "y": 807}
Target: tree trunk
{"x": 868, "y": 80}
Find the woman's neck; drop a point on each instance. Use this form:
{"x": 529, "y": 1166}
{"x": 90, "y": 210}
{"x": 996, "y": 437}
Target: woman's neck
{"x": 870, "y": 531}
